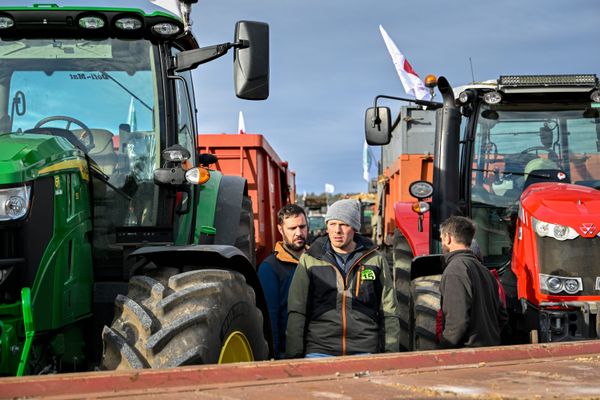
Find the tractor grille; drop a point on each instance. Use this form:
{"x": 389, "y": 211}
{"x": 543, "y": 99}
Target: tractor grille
{"x": 23, "y": 243}
{"x": 11, "y": 263}
{"x": 578, "y": 258}
{"x": 8, "y": 244}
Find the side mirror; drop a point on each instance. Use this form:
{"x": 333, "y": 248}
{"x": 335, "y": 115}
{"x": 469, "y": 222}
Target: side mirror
{"x": 378, "y": 126}
{"x": 251, "y": 63}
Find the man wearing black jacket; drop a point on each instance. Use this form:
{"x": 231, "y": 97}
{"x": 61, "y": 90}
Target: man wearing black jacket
{"x": 473, "y": 312}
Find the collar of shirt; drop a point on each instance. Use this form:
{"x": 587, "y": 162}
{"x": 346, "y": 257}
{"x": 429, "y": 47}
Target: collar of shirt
{"x": 343, "y": 261}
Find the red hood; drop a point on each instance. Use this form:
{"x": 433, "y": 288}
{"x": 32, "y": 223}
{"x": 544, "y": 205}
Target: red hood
{"x": 562, "y": 203}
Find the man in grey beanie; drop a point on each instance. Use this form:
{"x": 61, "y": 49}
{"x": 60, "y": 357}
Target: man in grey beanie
{"x": 341, "y": 299}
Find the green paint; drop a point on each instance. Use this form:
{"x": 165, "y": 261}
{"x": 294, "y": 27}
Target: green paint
{"x": 29, "y": 329}
{"x": 11, "y": 328}
{"x": 63, "y": 284}
{"x": 207, "y": 204}
{"x": 23, "y": 156}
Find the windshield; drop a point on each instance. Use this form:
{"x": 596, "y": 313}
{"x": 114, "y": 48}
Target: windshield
{"x": 517, "y": 145}
{"x": 104, "y": 94}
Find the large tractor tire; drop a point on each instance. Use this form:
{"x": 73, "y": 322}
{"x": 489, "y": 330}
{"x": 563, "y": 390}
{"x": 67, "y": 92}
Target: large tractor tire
{"x": 402, "y": 260}
{"x": 426, "y": 296}
{"x": 199, "y": 317}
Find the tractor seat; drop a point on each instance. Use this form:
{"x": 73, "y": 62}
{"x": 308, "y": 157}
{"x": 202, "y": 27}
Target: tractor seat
{"x": 543, "y": 170}
{"x": 103, "y": 152}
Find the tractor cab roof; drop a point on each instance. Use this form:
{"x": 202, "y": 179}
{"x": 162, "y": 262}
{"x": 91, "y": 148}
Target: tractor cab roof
{"x": 163, "y": 20}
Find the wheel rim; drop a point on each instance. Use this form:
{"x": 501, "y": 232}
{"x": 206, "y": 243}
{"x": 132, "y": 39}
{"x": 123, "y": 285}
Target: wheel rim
{"x": 236, "y": 349}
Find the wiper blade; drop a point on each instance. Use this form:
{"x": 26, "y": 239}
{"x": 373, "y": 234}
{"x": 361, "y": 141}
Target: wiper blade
{"x": 127, "y": 90}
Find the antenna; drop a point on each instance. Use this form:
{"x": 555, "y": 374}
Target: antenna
{"x": 472, "y": 74}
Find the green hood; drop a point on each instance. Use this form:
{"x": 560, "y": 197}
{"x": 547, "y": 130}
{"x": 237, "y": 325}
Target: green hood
{"x": 24, "y": 157}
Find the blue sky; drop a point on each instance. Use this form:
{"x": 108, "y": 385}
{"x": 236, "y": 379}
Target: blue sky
{"x": 328, "y": 62}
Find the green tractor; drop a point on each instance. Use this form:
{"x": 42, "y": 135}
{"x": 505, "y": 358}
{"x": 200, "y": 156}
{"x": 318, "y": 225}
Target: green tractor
{"x": 119, "y": 247}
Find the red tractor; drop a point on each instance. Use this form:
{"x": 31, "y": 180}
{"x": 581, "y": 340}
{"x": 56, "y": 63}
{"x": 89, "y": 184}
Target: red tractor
{"x": 521, "y": 156}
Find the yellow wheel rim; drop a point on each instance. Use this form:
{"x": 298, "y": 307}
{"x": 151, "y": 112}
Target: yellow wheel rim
{"x": 236, "y": 349}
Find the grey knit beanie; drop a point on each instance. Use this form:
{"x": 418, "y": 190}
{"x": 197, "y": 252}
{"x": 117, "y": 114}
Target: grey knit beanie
{"x": 347, "y": 211}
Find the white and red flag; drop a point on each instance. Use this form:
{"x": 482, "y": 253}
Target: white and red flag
{"x": 241, "y": 124}
{"x": 410, "y": 80}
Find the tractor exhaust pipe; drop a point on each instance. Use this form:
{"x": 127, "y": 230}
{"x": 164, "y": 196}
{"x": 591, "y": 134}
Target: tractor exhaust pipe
{"x": 446, "y": 164}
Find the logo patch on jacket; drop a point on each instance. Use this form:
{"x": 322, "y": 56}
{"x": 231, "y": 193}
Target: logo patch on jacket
{"x": 367, "y": 275}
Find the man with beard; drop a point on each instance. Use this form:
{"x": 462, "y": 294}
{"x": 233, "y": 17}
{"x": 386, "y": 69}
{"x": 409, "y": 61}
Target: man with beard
{"x": 276, "y": 271}
{"x": 473, "y": 313}
{"x": 342, "y": 299}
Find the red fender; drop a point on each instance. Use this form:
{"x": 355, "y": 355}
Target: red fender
{"x": 407, "y": 221}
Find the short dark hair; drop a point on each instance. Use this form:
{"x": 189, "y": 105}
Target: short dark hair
{"x": 289, "y": 210}
{"x": 462, "y": 229}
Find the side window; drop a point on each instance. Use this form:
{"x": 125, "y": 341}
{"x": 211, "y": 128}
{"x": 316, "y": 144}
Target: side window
{"x": 184, "y": 93}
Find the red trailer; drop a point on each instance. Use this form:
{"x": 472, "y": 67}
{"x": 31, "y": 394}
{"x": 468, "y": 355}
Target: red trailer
{"x": 271, "y": 184}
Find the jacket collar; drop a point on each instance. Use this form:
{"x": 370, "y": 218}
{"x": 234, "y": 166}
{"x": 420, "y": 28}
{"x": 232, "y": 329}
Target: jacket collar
{"x": 283, "y": 254}
{"x": 446, "y": 258}
{"x": 319, "y": 248}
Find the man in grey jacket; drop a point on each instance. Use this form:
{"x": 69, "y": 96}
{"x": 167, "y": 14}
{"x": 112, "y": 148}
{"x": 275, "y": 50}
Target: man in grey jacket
{"x": 342, "y": 299}
{"x": 473, "y": 313}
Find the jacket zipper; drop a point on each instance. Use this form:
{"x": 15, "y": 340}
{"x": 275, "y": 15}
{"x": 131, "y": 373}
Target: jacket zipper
{"x": 359, "y": 278}
{"x": 346, "y": 285}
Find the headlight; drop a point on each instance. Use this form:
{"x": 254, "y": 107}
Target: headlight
{"x": 466, "y": 96}
{"x": 556, "y": 284}
{"x": 14, "y": 202}
{"x": 492, "y": 97}
{"x": 421, "y": 189}
{"x": 572, "y": 286}
{"x": 165, "y": 29}
{"x": 128, "y": 24}
{"x": 176, "y": 153}
{"x": 6, "y": 22}
{"x": 556, "y": 231}
{"x": 91, "y": 23}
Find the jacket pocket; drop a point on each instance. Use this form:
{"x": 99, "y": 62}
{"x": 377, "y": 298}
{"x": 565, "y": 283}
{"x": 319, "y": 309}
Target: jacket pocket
{"x": 367, "y": 291}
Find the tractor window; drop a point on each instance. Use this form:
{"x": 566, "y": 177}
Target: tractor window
{"x": 517, "y": 145}
{"x": 184, "y": 93}
{"x": 185, "y": 120}
{"x": 102, "y": 96}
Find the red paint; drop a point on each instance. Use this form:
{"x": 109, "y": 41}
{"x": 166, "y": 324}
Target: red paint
{"x": 407, "y": 221}
{"x": 199, "y": 378}
{"x": 558, "y": 203}
{"x": 271, "y": 184}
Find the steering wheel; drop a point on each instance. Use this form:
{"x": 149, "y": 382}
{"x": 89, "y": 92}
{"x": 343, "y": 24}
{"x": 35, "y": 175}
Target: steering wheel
{"x": 86, "y": 137}
{"x": 551, "y": 153}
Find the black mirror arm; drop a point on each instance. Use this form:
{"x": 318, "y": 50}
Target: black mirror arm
{"x": 190, "y": 59}
{"x": 434, "y": 105}
{"x": 431, "y": 104}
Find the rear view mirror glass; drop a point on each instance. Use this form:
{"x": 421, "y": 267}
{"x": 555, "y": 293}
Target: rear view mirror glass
{"x": 251, "y": 64}
{"x": 378, "y": 126}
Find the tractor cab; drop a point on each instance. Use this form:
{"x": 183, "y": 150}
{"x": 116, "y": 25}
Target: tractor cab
{"x": 520, "y": 144}
{"x": 104, "y": 98}
{"x": 104, "y": 83}
{"x": 520, "y": 138}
